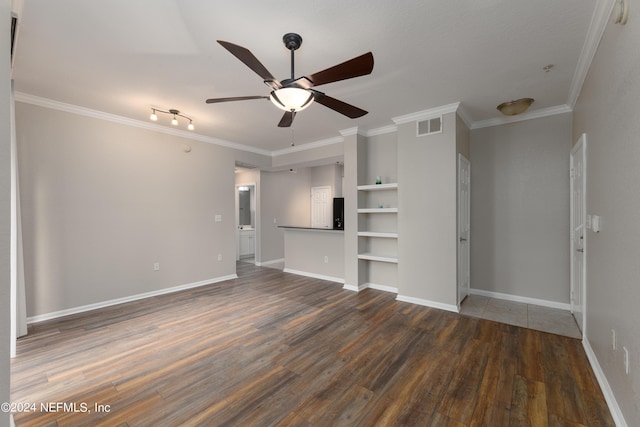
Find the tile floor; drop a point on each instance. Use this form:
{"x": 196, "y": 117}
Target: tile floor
{"x": 552, "y": 320}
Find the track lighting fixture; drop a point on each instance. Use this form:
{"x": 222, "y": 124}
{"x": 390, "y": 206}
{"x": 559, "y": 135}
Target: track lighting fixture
{"x": 174, "y": 120}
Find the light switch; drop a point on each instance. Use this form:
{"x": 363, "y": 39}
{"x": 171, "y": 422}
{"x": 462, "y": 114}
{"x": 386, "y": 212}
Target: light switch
{"x": 218, "y": 218}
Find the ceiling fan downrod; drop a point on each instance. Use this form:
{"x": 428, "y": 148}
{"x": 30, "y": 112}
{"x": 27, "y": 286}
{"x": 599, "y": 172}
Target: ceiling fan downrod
{"x": 292, "y": 41}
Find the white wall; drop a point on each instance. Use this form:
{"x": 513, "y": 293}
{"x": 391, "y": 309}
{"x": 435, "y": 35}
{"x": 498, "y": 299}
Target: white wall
{"x": 520, "y": 208}
{"x": 5, "y": 209}
{"x": 101, "y": 202}
{"x": 607, "y": 110}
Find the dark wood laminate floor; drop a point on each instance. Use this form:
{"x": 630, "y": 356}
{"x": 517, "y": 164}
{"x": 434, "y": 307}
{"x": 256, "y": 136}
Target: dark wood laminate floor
{"x": 277, "y": 349}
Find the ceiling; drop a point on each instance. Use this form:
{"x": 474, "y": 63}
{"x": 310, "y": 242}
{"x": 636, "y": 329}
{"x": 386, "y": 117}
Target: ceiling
{"x": 124, "y": 57}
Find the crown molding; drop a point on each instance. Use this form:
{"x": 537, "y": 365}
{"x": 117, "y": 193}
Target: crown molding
{"x": 536, "y": 114}
{"x": 464, "y": 115}
{"x": 87, "y": 112}
{"x": 381, "y": 130}
{"x": 597, "y": 26}
{"x": 349, "y": 131}
{"x": 426, "y": 114}
{"x": 309, "y": 146}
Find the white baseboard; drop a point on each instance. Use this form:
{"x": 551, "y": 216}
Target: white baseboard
{"x": 271, "y": 262}
{"x": 314, "y": 275}
{"x": 427, "y": 303}
{"x": 525, "y": 300}
{"x": 89, "y": 307}
{"x": 616, "y": 413}
{"x": 384, "y": 288}
{"x": 355, "y": 288}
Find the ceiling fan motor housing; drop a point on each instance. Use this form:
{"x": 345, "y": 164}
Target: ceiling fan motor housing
{"x": 292, "y": 41}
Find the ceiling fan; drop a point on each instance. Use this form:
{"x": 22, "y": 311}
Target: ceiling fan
{"x": 295, "y": 94}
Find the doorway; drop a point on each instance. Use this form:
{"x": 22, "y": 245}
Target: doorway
{"x": 321, "y": 207}
{"x": 578, "y": 237}
{"x": 246, "y": 223}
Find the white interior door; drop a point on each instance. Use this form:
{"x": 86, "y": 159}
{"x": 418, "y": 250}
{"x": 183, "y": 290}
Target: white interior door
{"x": 578, "y": 231}
{"x": 464, "y": 226}
{"x": 321, "y": 207}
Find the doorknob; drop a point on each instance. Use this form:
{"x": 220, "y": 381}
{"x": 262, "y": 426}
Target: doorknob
{"x": 580, "y": 250}
{"x": 462, "y": 239}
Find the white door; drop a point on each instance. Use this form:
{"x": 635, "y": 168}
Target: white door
{"x": 321, "y": 207}
{"x": 578, "y": 230}
{"x": 464, "y": 226}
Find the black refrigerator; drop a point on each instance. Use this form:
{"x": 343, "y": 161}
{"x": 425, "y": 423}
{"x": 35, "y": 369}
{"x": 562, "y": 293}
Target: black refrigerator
{"x": 338, "y": 213}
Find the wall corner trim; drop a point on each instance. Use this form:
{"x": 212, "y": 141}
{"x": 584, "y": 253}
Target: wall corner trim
{"x": 612, "y": 403}
{"x": 95, "y": 306}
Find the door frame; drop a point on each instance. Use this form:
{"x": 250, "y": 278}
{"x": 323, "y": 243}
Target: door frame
{"x": 463, "y": 291}
{"x": 581, "y": 144}
{"x": 254, "y": 200}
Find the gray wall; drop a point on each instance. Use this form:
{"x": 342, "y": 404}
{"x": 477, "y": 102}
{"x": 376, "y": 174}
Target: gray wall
{"x": 382, "y": 158}
{"x": 427, "y": 213}
{"x": 305, "y": 251}
{"x": 607, "y": 110}
{"x": 328, "y": 175}
{"x": 286, "y": 197}
{"x": 5, "y": 210}
{"x": 101, "y": 202}
{"x": 520, "y": 208}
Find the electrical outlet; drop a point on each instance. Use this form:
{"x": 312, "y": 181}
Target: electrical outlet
{"x": 219, "y": 257}
{"x": 626, "y": 360}
{"x": 275, "y": 220}
{"x": 156, "y": 266}
{"x": 326, "y": 259}
{"x": 613, "y": 339}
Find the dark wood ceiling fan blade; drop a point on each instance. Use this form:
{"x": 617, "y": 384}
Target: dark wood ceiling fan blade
{"x": 339, "y": 106}
{"x": 234, "y": 98}
{"x": 245, "y": 55}
{"x": 356, "y": 67}
{"x": 287, "y": 120}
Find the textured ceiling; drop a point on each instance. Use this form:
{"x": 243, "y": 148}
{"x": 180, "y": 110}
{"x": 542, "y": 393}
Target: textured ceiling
{"x": 123, "y": 57}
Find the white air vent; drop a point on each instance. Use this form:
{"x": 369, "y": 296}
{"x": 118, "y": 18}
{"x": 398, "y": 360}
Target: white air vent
{"x": 430, "y": 126}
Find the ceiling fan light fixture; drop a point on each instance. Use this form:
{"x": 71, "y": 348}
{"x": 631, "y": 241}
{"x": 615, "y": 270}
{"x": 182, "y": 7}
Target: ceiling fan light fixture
{"x": 153, "y": 116}
{"x": 513, "y": 108}
{"x": 291, "y": 98}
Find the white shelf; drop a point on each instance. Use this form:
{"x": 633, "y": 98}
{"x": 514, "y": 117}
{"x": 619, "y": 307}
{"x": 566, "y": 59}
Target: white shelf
{"x": 378, "y": 187}
{"x": 378, "y": 210}
{"x": 381, "y": 258}
{"x": 377, "y": 234}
